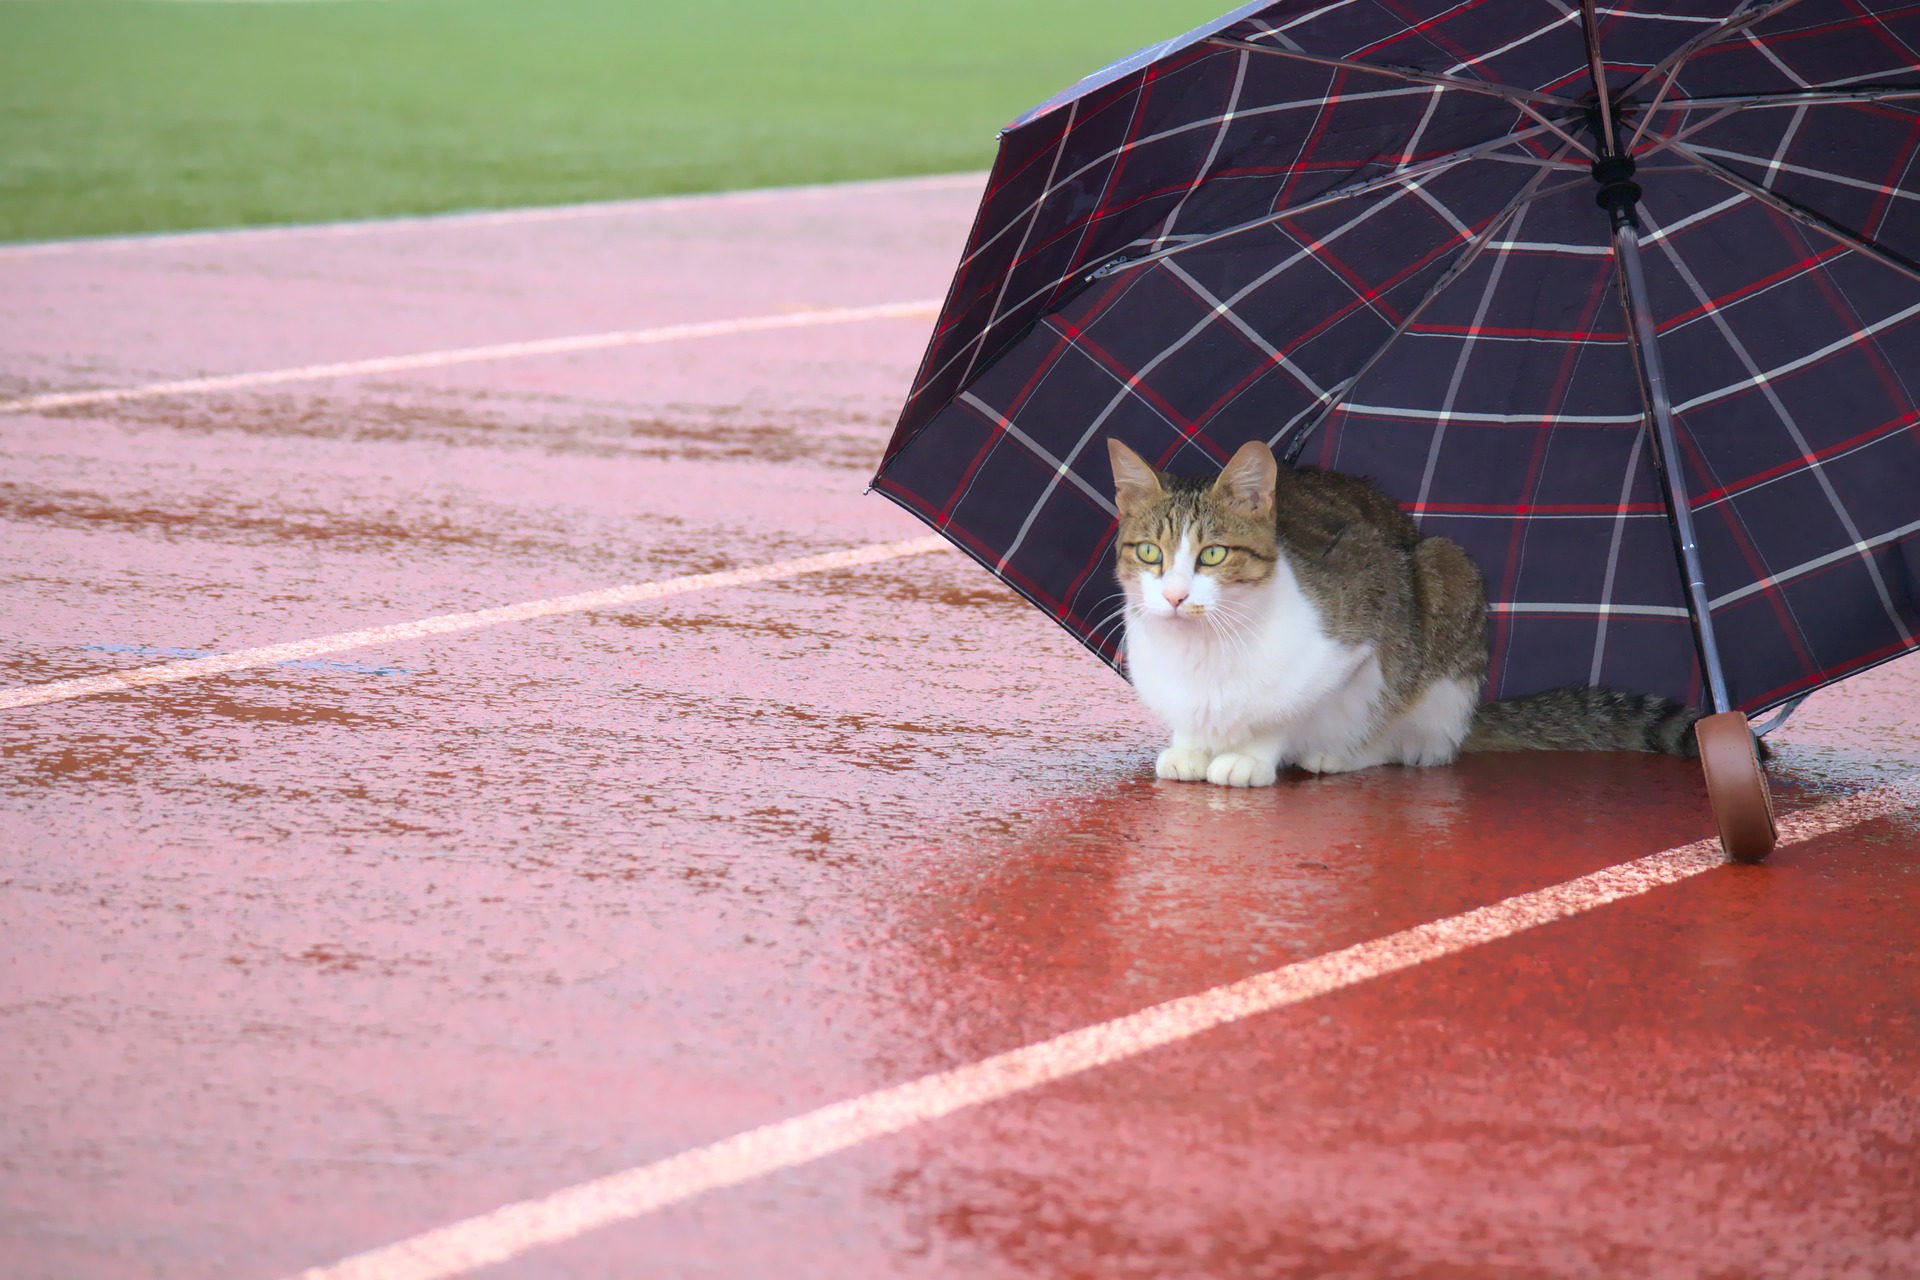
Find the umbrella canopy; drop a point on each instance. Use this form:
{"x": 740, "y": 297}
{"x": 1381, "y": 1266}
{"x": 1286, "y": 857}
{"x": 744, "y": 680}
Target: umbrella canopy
{"x": 1649, "y": 355}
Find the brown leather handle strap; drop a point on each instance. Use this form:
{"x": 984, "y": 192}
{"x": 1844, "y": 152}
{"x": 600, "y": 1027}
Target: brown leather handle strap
{"x": 1736, "y": 786}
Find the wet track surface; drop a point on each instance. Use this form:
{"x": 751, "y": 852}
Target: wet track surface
{"x": 300, "y": 961}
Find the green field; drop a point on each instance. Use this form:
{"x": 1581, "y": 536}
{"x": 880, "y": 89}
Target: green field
{"x": 148, "y": 116}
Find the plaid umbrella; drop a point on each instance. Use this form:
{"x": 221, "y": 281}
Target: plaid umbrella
{"x": 1647, "y": 354}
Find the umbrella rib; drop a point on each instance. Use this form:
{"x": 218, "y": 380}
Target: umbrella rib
{"x": 1562, "y": 134}
{"x": 1673, "y": 73}
{"x": 1535, "y": 162}
{"x": 1597, "y": 72}
{"x": 1403, "y": 175}
{"x": 1646, "y": 117}
{"x": 1518, "y": 97}
{"x": 1801, "y": 214}
{"x": 1679, "y": 60}
{"x": 1466, "y": 258}
{"x": 1792, "y": 98}
{"x": 1685, "y": 133}
{"x": 1739, "y": 20}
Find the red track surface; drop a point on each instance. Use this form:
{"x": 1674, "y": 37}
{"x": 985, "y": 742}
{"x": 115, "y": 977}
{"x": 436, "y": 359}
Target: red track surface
{"x": 298, "y": 962}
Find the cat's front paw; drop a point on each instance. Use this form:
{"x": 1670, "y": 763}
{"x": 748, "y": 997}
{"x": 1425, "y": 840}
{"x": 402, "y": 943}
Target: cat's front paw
{"x": 1231, "y": 769}
{"x": 1184, "y": 764}
{"x": 1329, "y": 762}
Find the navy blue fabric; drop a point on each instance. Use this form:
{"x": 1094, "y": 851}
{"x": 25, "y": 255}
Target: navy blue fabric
{"x": 1211, "y": 243}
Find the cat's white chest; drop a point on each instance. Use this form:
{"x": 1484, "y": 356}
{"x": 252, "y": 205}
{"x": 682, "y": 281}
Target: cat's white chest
{"x": 1272, "y": 665}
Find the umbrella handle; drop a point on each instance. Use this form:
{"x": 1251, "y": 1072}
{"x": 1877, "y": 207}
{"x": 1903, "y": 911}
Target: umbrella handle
{"x": 1736, "y": 786}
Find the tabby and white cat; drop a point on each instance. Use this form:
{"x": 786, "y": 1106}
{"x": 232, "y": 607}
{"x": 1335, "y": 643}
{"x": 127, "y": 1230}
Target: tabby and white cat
{"x": 1297, "y": 617}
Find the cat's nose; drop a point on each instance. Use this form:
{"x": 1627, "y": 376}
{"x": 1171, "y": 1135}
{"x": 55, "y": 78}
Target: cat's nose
{"x": 1175, "y": 592}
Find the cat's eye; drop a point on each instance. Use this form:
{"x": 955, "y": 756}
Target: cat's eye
{"x": 1148, "y": 552}
{"x": 1211, "y": 556}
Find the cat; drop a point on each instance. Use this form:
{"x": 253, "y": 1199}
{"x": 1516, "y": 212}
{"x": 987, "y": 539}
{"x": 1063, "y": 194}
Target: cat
{"x": 1280, "y": 617}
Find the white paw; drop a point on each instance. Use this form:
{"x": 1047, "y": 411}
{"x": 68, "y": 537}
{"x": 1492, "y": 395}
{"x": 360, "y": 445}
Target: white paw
{"x": 1183, "y": 764}
{"x": 1231, "y": 769}
{"x": 1329, "y": 762}
{"x": 1430, "y": 754}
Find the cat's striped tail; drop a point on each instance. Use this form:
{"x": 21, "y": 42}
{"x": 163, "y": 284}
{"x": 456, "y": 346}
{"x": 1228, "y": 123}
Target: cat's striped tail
{"x": 1583, "y": 718}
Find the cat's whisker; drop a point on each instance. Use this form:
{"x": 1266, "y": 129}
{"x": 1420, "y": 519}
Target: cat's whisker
{"x": 1112, "y": 618}
{"x": 1119, "y": 611}
{"x": 1234, "y": 629}
{"x": 1238, "y": 634}
{"x": 1120, "y": 616}
{"x": 1241, "y": 630}
{"x": 1229, "y": 613}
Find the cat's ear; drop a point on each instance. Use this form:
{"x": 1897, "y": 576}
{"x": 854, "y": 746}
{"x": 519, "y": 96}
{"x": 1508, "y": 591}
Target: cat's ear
{"x": 1135, "y": 484}
{"x": 1248, "y": 480}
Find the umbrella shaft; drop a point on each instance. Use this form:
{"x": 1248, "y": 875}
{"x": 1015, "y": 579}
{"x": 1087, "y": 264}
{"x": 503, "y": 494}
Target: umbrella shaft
{"x": 1666, "y": 455}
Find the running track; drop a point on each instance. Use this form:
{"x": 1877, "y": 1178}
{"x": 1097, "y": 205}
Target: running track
{"x": 485, "y": 794}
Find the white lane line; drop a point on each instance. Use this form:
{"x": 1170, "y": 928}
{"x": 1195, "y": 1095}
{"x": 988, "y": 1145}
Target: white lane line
{"x": 516, "y": 1228}
{"x": 474, "y": 355}
{"x": 472, "y": 218}
{"x": 240, "y": 660}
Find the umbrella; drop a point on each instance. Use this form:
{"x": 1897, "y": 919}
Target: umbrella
{"x": 1624, "y": 300}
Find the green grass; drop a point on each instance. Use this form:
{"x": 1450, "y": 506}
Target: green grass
{"x": 150, "y": 116}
